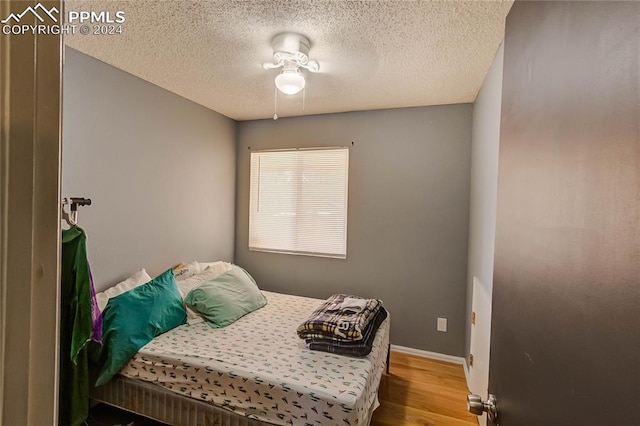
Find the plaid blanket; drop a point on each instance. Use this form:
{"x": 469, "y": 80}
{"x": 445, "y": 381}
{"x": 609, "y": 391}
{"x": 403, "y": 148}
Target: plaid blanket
{"x": 330, "y": 322}
{"x": 356, "y": 348}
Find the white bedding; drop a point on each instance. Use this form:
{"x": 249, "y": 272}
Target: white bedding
{"x": 258, "y": 367}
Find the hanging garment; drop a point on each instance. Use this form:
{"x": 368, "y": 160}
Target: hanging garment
{"x": 80, "y": 322}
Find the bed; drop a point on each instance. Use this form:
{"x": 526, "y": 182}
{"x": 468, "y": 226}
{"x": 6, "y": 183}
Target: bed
{"x": 255, "y": 371}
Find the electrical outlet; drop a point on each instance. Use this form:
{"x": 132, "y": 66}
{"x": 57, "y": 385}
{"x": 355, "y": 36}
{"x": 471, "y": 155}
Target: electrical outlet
{"x": 442, "y": 325}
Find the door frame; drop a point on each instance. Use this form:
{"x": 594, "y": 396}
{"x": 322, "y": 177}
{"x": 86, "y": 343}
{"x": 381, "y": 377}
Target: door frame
{"x": 482, "y": 225}
{"x": 30, "y": 164}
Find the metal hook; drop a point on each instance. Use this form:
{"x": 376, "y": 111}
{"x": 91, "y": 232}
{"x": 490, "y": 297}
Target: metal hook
{"x": 70, "y": 217}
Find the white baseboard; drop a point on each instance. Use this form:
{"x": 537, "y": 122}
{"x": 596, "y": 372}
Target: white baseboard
{"x": 466, "y": 372}
{"x": 431, "y": 355}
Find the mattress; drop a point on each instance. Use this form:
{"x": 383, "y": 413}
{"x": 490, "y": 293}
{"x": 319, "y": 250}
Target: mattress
{"x": 258, "y": 368}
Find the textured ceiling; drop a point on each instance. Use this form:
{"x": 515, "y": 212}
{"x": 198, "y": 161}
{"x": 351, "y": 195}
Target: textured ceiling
{"x": 372, "y": 54}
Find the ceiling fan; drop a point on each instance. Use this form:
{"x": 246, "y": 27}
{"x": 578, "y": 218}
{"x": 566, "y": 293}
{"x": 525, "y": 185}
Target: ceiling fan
{"x": 291, "y": 53}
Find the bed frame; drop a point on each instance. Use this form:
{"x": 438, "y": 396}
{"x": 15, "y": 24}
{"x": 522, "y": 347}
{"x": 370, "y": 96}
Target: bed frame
{"x": 158, "y": 403}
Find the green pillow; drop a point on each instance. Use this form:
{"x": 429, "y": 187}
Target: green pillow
{"x": 225, "y": 299}
{"x": 133, "y": 319}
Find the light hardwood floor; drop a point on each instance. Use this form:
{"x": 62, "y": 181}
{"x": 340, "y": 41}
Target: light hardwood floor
{"x": 418, "y": 391}
{"x": 421, "y": 391}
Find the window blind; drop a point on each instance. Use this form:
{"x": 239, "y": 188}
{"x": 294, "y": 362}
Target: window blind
{"x": 298, "y": 201}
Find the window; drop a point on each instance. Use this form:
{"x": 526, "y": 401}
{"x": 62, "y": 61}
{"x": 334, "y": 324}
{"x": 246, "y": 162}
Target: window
{"x": 298, "y": 201}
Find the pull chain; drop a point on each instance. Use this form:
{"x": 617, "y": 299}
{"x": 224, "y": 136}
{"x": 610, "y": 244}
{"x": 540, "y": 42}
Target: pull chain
{"x": 304, "y": 95}
{"x": 275, "y": 103}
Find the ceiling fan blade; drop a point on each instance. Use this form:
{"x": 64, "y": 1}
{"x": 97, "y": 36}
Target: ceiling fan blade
{"x": 312, "y": 66}
{"x": 271, "y": 65}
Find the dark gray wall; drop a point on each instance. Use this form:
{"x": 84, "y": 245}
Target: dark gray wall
{"x": 407, "y": 219}
{"x": 160, "y": 170}
{"x": 566, "y": 295}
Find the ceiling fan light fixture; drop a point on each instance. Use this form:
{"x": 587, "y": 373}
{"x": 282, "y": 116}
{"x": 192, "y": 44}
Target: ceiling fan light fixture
{"x": 290, "y": 82}
{"x": 291, "y": 53}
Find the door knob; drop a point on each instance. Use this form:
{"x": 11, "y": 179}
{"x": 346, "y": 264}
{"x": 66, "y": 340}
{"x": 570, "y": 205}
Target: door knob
{"x": 477, "y": 406}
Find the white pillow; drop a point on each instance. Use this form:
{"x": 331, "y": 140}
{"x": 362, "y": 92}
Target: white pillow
{"x": 137, "y": 279}
{"x": 219, "y": 266}
{"x": 186, "y": 271}
{"x": 188, "y": 284}
{"x": 193, "y": 317}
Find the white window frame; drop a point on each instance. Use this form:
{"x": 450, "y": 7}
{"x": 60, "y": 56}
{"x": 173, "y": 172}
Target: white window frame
{"x": 297, "y": 236}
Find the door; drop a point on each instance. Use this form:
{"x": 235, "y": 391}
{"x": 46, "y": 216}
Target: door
{"x": 565, "y": 338}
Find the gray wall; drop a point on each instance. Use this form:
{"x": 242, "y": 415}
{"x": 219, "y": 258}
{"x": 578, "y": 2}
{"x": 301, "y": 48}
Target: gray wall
{"x": 408, "y": 216}
{"x": 160, "y": 170}
{"x": 484, "y": 184}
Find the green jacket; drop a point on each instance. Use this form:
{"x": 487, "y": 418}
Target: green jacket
{"x": 75, "y": 328}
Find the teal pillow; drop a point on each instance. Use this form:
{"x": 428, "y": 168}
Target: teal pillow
{"x": 225, "y": 299}
{"x": 133, "y": 319}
